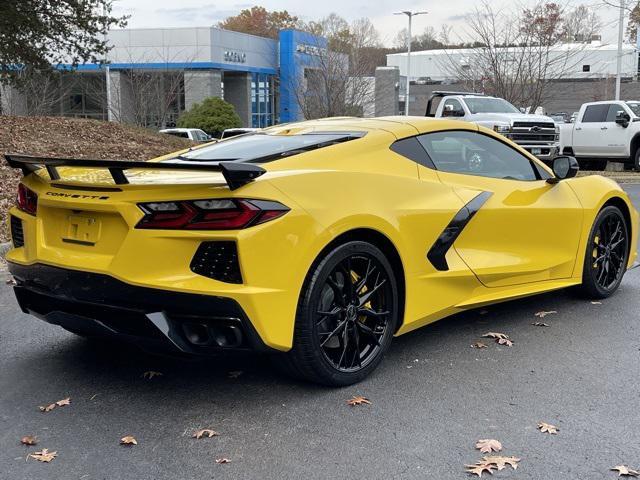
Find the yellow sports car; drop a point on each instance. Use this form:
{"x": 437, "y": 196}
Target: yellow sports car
{"x": 315, "y": 241}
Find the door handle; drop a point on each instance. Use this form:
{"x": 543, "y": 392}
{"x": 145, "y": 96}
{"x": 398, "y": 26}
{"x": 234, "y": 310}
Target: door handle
{"x": 604, "y": 128}
{"x": 578, "y": 128}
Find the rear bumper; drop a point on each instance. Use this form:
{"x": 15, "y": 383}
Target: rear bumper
{"x": 99, "y": 305}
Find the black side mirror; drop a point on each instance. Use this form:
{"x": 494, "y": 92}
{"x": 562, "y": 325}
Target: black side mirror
{"x": 564, "y": 167}
{"x": 623, "y": 118}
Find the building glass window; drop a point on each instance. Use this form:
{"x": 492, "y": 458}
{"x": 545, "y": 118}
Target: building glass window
{"x": 262, "y": 100}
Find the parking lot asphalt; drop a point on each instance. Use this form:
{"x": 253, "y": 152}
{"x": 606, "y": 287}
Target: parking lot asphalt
{"x": 432, "y": 398}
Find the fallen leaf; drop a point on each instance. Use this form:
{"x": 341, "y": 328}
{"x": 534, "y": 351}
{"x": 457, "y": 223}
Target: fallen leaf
{"x": 478, "y": 345}
{"x": 596, "y": 303}
{"x": 29, "y": 440}
{"x": 47, "y": 408}
{"x": 128, "y": 440}
{"x": 358, "y": 400}
{"x": 479, "y": 468}
{"x": 234, "y": 374}
{"x": 151, "y": 374}
{"x": 205, "y": 432}
{"x": 223, "y": 460}
{"x": 544, "y": 314}
{"x": 11, "y": 281}
{"x": 624, "y": 471}
{"x": 44, "y": 455}
{"x": 488, "y": 445}
{"x": 540, "y": 324}
{"x": 495, "y": 335}
{"x": 504, "y": 341}
{"x": 63, "y": 402}
{"x": 547, "y": 428}
{"x": 501, "y": 462}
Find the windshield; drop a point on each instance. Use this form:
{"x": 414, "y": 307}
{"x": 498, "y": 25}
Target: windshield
{"x": 635, "y": 108}
{"x": 490, "y": 105}
{"x": 261, "y": 146}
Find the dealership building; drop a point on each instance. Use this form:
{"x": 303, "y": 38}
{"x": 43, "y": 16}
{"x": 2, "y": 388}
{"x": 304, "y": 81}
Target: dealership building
{"x": 151, "y": 75}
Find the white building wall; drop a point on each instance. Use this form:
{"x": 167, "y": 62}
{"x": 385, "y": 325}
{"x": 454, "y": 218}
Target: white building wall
{"x": 438, "y": 64}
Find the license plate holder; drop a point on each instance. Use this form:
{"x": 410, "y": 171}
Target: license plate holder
{"x": 82, "y": 230}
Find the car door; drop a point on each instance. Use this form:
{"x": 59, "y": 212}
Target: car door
{"x": 589, "y": 131}
{"x": 521, "y": 228}
{"x": 615, "y": 138}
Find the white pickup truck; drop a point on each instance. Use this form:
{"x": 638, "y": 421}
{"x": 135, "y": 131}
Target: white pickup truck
{"x": 537, "y": 134}
{"x": 604, "y": 131}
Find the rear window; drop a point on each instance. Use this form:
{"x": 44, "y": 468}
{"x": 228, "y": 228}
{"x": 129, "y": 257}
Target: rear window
{"x": 261, "y": 147}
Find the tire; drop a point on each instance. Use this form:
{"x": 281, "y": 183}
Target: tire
{"x": 636, "y": 160}
{"x": 343, "y": 328}
{"x": 606, "y": 255}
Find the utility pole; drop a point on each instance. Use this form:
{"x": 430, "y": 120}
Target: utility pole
{"x": 410, "y": 14}
{"x": 619, "y": 59}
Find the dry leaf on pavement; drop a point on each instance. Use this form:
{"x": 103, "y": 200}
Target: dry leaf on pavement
{"x": 47, "y": 408}
{"x": 478, "y": 345}
{"x": 501, "y": 462}
{"x": 540, "y": 324}
{"x": 544, "y": 314}
{"x": 596, "y": 303}
{"x": 151, "y": 374}
{"x": 223, "y": 460}
{"x": 44, "y": 455}
{"x": 495, "y": 335}
{"x": 547, "y": 428}
{"x": 29, "y": 440}
{"x": 488, "y": 445}
{"x": 479, "y": 468}
{"x": 205, "y": 432}
{"x": 624, "y": 471}
{"x": 504, "y": 341}
{"x": 128, "y": 440}
{"x": 358, "y": 400}
{"x": 63, "y": 402}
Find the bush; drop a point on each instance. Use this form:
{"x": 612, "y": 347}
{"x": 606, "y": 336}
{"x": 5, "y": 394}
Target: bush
{"x": 213, "y": 116}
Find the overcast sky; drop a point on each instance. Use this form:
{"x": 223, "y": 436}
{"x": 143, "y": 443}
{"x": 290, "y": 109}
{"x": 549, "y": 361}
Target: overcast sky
{"x": 171, "y": 13}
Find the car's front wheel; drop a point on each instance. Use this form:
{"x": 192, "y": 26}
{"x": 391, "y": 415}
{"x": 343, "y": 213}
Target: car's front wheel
{"x": 346, "y": 317}
{"x": 607, "y": 254}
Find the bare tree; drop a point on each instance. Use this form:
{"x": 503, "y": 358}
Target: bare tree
{"x": 519, "y": 52}
{"x": 337, "y": 79}
{"x": 581, "y": 24}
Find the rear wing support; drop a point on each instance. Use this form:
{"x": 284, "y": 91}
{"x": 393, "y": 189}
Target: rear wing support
{"x": 236, "y": 174}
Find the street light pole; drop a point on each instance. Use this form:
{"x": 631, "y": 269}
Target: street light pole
{"x": 619, "y": 59}
{"x": 410, "y": 14}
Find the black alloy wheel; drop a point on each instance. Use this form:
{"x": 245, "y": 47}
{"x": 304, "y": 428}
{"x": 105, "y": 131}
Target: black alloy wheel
{"x": 346, "y": 317}
{"x": 607, "y": 253}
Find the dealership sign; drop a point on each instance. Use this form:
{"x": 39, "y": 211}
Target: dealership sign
{"x": 237, "y": 57}
{"x": 310, "y": 49}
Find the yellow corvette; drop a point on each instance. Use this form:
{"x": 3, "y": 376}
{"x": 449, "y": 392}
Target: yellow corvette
{"x": 316, "y": 241}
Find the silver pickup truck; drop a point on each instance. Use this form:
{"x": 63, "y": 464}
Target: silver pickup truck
{"x": 537, "y": 134}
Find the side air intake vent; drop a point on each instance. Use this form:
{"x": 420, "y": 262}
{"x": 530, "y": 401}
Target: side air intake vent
{"x": 217, "y": 260}
{"x": 17, "y": 233}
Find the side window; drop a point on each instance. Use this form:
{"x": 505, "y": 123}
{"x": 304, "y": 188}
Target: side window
{"x": 452, "y": 108}
{"x": 595, "y": 113}
{"x": 613, "y": 112}
{"x": 473, "y": 153}
{"x": 413, "y": 150}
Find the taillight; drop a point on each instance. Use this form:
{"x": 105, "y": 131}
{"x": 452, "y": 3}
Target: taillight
{"x": 27, "y": 200}
{"x": 214, "y": 214}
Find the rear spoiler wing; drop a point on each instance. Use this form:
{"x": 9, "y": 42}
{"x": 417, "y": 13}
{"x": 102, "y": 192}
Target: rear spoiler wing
{"x": 236, "y": 174}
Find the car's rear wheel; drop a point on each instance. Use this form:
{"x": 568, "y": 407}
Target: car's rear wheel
{"x": 607, "y": 254}
{"x": 346, "y": 317}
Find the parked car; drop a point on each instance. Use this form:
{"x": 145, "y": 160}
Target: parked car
{"x": 232, "y": 132}
{"x": 423, "y": 81}
{"x": 194, "y": 134}
{"x": 537, "y": 134}
{"x": 560, "y": 117}
{"x": 604, "y": 131}
{"x": 316, "y": 242}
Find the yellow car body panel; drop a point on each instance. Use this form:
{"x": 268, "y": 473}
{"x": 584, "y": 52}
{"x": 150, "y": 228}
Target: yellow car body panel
{"x": 529, "y": 237}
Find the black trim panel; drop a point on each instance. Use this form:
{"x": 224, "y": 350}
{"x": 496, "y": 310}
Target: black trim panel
{"x": 438, "y": 251}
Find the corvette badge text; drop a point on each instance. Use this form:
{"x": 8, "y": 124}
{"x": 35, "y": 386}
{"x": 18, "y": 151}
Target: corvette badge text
{"x": 76, "y": 195}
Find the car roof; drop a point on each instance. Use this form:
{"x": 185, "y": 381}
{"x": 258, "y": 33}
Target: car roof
{"x": 167, "y": 130}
